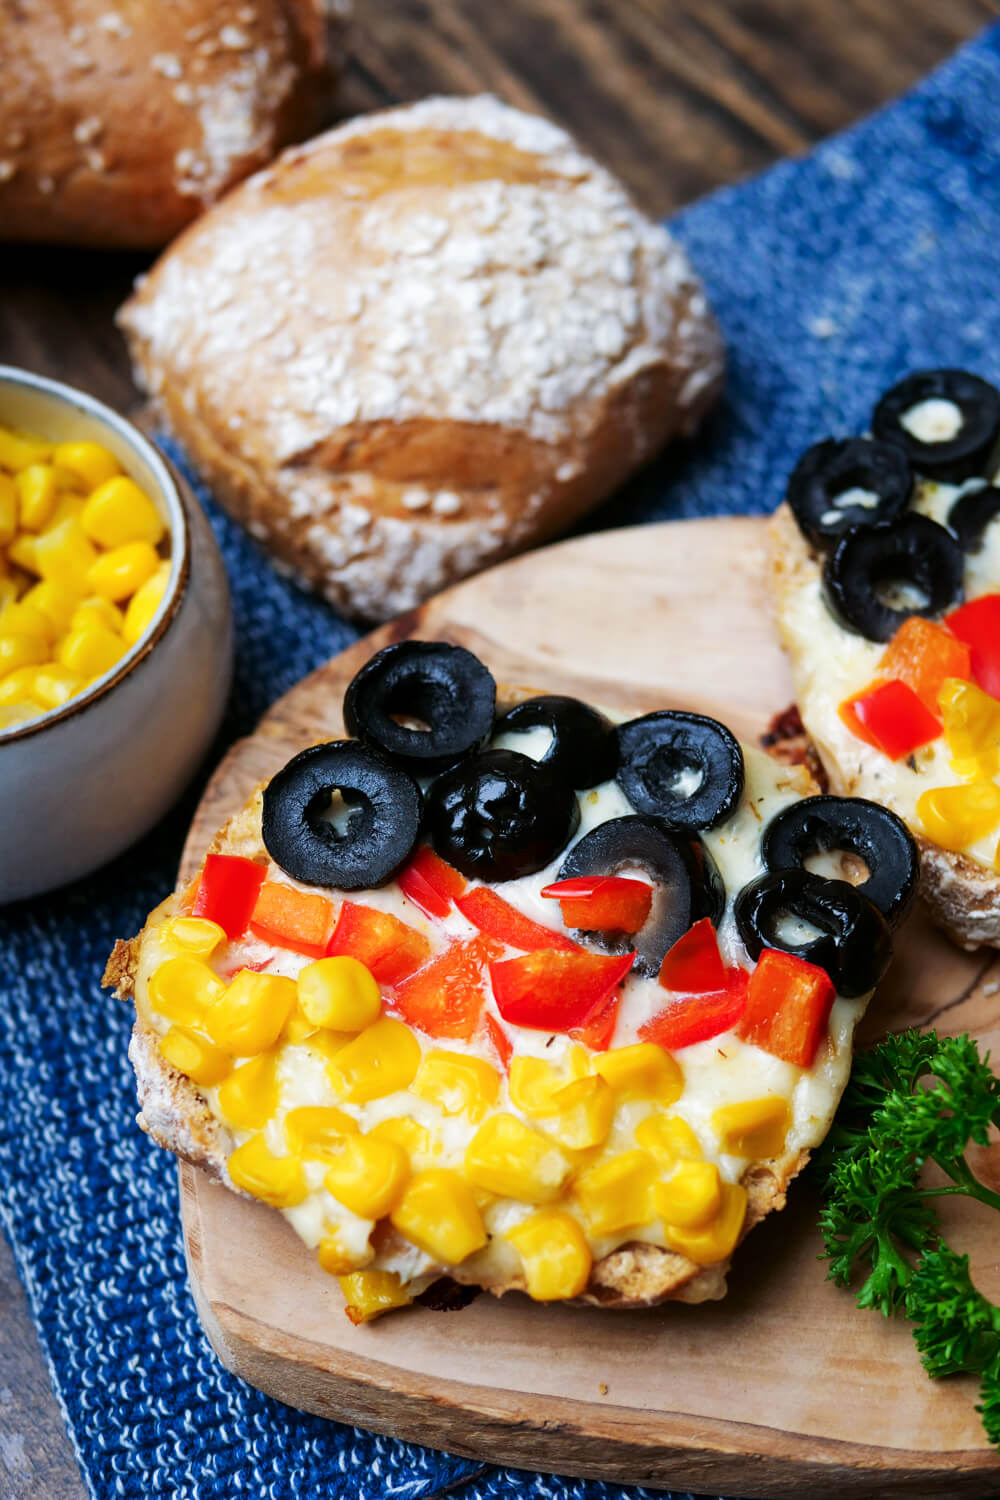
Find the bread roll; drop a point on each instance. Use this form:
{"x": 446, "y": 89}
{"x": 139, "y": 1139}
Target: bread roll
{"x": 120, "y": 122}
{"x": 419, "y": 343}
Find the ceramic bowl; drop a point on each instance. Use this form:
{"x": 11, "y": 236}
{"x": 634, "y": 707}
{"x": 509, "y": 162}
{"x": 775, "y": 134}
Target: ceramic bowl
{"x": 82, "y": 782}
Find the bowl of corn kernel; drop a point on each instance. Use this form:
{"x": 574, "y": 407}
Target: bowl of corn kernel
{"x": 115, "y": 634}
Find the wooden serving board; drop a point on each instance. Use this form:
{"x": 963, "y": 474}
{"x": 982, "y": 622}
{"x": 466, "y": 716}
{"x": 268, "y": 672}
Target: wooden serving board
{"x": 784, "y": 1388}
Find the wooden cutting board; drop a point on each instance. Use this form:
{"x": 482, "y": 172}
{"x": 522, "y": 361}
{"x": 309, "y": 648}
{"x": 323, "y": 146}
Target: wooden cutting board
{"x": 784, "y": 1388}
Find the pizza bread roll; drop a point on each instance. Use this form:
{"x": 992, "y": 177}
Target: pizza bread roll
{"x": 120, "y": 123}
{"x": 419, "y": 343}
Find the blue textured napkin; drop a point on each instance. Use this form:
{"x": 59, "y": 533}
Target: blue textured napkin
{"x": 831, "y": 277}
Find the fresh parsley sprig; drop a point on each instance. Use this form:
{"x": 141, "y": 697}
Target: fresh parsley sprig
{"x": 915, "y": 1098}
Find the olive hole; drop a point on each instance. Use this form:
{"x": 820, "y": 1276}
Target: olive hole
{"x": 901, "y": 594}
{"x": 332, "y": 812}
{"x": 935, "y": 420}
{"x": 838, "y": 864}
{"x": 794, "y": 929}
{"x": 675, "y": 776}
{"x": 415, "y": 703}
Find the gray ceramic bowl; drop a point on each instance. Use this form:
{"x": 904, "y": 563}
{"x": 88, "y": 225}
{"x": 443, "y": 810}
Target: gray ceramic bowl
{"x": 82, "y": 782}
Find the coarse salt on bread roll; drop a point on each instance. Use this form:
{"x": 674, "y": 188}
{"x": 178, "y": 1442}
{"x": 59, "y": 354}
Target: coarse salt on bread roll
{"x": 120, "y": 122}
{"x": 419, "y": 343}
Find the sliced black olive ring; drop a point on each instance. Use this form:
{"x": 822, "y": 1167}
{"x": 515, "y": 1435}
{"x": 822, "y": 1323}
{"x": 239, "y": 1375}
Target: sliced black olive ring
{"x": 971, "y": 514}
{"x": 852, "y": 944}
{"x": 912, "y": 551}
{"x": 444, "y": 687}
{"x": 822, "y": 825}
{"x": 826, "y": 474}
{"x": 966, "y": 452}
{"x": 583, "y": 749}
{"x": 500, "y": 815}
{"x": 686, "y": 883}
{"x": 384, "y": 804}
{"x": 683, "y": 768}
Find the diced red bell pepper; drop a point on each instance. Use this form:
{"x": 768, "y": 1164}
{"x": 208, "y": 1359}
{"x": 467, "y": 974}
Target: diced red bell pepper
{"x": 600, "y": 1028}
{"x": 788, "y": 1006}
{"x": 228, "y": 891}
{"x": 978, "y": 624}
{"x": 693, "y": 966}
{"x": 556, "y": 991}
{"x": 430, "y": 883}
{"x": 498, "y": 1040}
{"x": 445, "y": 997}
{"x": 923, "y": 655}
{"x": 498, "y": 919}
{"x": 891, "y": 717}
{"x": 289, "y": 918}
{"x": 390, "y": 949}
{"x": 602, "y": 903}
{"x": 696, "y": 1018}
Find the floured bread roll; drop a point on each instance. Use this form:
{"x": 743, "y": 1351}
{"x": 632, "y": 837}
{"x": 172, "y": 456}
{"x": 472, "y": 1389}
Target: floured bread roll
{"x": 420, "y": 343}
{"x": 120, "y": 122}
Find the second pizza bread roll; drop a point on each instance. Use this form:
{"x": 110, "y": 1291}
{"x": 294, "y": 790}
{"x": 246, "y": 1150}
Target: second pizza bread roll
{"x": 420, "y": 343}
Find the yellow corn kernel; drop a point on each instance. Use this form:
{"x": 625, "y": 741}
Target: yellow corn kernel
{"x": 181, "y": 989}
{"x": 89, "y": 464}
{"x": 278, "y": 1180}
{"x": 21, "y": 651}
{"x": 618, "y": 1192}
{"x": 20, "y": 712}
{"x": 8, "y": 510}
{"x": 414, "y": 1139}
{"x": 314, "y": 1130}
{"x": 971, "y": 723}
{"x": 21, "y": 618}
{"x": 957, "y": 816}
{"x": 438, "y": 1213}
{"x": 380, "y": 1061}
{"x": 339, "y": 1259}
{"x": 718, "y": 1240}
{"x": 668, "y": 1139}
{"x": 753, "y": 1127}
{"x": 22, "y": 553}
{"x": 97, "y": 611}
{"x": 144, "y": 603}
{"x": 248, "y": 1098}
{"x": 508, "y": 1158}
{"x": 586, "y": 1109}
{"x": 457, "y": 1083}
{"x": 92, "y": 651}
{"x": 57, "y": 603}
{"x": 643, "y": 1071}
{"x": 298, "y": 1029}
{"x": 64, "y": 555}
{"x": 18, "y": 450}
{"x": 118, "y": 513}
{"x": 555, "y": 1255}
{"x": 329, "y": 1044}
{"x": 194, "y": 1056}
{"x": 9, "y": 589}
{"x": 369, "y": 1294}
{"x": 533, "y": 1083}
{"x": 249, "y": 1017}
{"x": 195, "y": 936}
{"x": 55, "y": 685}
{"x": 19, "y": 686}
{"x": 339, "y": 993}
{"x": 117, "y": 574}
{"x": 691, "y": 1197}
{"x": 36, "y": 495}
{"x": 367, "y": 1176}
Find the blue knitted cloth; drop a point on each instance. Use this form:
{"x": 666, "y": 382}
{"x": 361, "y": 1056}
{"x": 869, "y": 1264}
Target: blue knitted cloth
{"x": 831, "y": 277}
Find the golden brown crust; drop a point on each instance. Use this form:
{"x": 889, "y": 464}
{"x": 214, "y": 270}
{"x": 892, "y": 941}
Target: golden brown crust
{"x": 428, "y": 339}
{"x": 118, "y": 124}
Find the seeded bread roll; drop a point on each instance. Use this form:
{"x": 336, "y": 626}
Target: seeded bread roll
{"x": 421, "y": 342}
{"x": 120, "y": 122}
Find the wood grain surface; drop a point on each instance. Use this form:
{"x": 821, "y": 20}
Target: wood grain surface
{"x": 678, "y": 96}
{"x": 782, "y": 1389}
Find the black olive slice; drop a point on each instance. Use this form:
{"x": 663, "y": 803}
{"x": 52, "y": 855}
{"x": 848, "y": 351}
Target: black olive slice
{"x": 500, "y": 815}
{"x": 823, "y": 489}
{"x": 684, "y": 768}
{"x": 444, "y": 687}
{"x": 384, "y": 821}
{"x": 583, "y": 749}
{"x": 821, "y": 825}
{"x": 967, "y": 451}
{"x": 912, "y": 551}
{"x": 853, "y": 943}
{"x": 971, "y": 514}
{"x": 686, "y": 883}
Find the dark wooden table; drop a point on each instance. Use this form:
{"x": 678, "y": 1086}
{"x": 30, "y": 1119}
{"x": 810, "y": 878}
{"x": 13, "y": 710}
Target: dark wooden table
{"x": 677, "y": 96}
